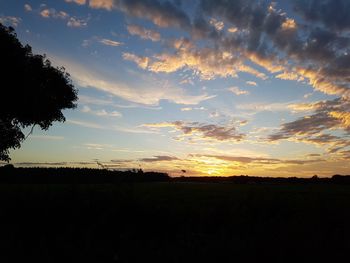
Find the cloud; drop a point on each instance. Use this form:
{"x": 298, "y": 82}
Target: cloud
{"x": 332, "y": 14}
{"x": 71, "y": 20}
{"x": 27, "y": 8}
{"x": 109, "y": 42}
{"x": 143, "y": 32}
{"x": 257, "y": 32}
{"x": 41, "y": 164}
{"x": 87, "y": 100}
{"x": 317, "y": 106}
{"x": 327, "y": 116}
{"x": 142, "y": 62}
{"x": 86, "y": 124}
{"x": 238, "y": 91}
{"x": 287, "y": 75}
{"x": 207, "y": 63}
{"x": 45, "y": 13}
{"x": 51, "y": 12}
{"x": 104, "y": 4}
{"x": 47, "y": 137}
{"x": 101, "y": 113}
{"x": 103, "y": 41}
{"x": 289, "y": 24}
{"x": 97, "y": 4}
{"x": 79, "y": 2}
{"x": 251, "y": 83}
{"x": 83, "y": 99}
{"x": 258, "y": 107}
{"x": 232, "y": 29}
{"x": 308, "y": 125}
{"x": 95, "y": 146}
{"x": 323, "y": 83}
{"x": 258, "y": 160}
{"x": 58, "y": 164}
{"x": 159, "y": 158}
{"x": 161, "y": 13}
{"x": 344, "y": 117}
{"x": 202, "y": 131}
{"x": 10, "y": 20}
{"x": 219, "y": 25}
{"x": 147, "y": 93}
{"x": 75, "y": 22}
{"x": 192, "y": 108}
{"x": 271, "y": 39}
{"x": 92, "y": 125}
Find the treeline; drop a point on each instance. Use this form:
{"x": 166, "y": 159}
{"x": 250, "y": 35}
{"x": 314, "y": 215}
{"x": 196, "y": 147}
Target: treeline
{"x": 245, "y": 179}
{"x": 10, "y": 174}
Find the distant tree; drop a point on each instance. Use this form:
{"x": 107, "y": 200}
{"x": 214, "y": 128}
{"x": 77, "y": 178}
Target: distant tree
{"x": 33, "y": 92}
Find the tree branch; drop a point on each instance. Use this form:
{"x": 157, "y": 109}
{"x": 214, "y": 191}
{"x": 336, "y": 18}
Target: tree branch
{"x": 31, "y": 131}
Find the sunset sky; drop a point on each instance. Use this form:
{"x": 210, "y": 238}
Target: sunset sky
{"x": 210, "y": 87}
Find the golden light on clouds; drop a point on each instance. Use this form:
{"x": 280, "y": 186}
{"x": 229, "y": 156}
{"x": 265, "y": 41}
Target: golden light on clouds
{"x": 289, "y": 24}
{"x": 344, "y": 117}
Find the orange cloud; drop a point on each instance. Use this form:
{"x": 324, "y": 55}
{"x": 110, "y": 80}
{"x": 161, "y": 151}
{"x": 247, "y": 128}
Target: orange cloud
{"x": 344, "y": 117}
{"x": 104, "y": 4}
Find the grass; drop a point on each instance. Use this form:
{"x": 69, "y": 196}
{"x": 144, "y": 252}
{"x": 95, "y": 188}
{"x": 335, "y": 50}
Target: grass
{"x": 174, "y": 222}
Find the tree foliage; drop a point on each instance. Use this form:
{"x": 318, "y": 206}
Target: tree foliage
{"x": 33, "y": 92}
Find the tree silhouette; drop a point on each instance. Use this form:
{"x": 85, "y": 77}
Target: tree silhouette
{"x": 33, "y": 92}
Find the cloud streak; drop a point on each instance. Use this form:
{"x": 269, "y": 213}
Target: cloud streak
{"x": 202, "y": 131}
{"x": 145, "y": 94}
{"x": 144, "y": 33}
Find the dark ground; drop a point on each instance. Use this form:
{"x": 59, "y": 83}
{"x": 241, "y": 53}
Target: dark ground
{"x": 174, "y": 222}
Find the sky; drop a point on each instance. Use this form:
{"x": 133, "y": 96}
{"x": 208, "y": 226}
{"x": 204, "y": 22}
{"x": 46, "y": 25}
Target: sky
{"x": 214, "y": 88}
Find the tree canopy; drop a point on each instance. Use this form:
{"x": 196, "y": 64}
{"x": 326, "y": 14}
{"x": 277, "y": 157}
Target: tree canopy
{"x": 33, "y": 92}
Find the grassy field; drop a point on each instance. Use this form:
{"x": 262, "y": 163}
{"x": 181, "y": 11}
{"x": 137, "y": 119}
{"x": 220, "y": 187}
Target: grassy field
{"x": 174, "y": 222}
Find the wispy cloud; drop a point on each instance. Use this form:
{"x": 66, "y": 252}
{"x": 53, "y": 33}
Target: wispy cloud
{"x": 10, "y": 20}
{"x": 259, "y": 107}
{"x": 147, "y": 93}
{"x": 71, "y": 21}
{"x": 143, "y": 32}
{"x": 52, "y": 13}
{"x": 159, "y": 158}
{"x": 202, "y": 131}
{"x": 238, "y": 91}
{"x": 207, "y": 63}
{"x": 327, "y": 116}
{"x": 141, "y": 61}
{"x": 109, "y": 42}
{"x": 260, "y": 160}
{"x": 76, "y": 22}
{"x": 47, "y": 137}
{"x": 251, "y": 83}
{"x": 219, "y": 25}
{"x": 28, "y": 7}
{"x": 101, "y": 112}
{"x": 192, "y": 108}
{"x": 105, "y": 4}
{"x": 93, "y": 125}
{"x": 79, "y": 2}
{"x": 86, "y": 124}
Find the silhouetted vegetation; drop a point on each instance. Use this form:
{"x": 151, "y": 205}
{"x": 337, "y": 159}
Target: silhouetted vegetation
{"x": 33, "y": 92}
{"x": 9, "y": 174}
{"x": 245, "y": 179}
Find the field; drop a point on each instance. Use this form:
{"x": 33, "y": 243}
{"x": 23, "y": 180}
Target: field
{"x": 173, "y": 222}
